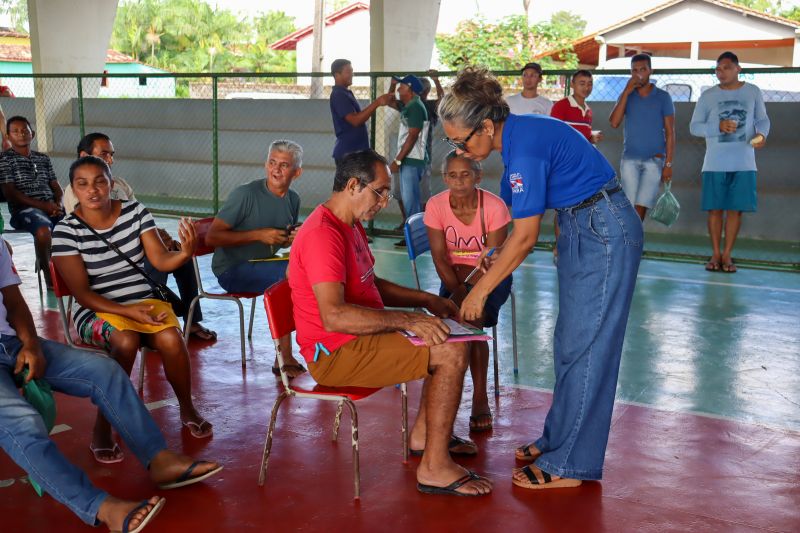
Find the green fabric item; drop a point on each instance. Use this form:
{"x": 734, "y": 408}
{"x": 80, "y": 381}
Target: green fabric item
{"x": 253, "y": 206}
{"x": 38, "y": 393}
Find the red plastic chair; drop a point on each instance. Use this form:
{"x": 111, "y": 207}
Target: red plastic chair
{"x": 278, "y": 304}
{"x": 201, "y": 227}
{"x": 61, "y": 291}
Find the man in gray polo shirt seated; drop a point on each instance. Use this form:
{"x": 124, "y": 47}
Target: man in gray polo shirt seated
{"x": 258, "y": 219}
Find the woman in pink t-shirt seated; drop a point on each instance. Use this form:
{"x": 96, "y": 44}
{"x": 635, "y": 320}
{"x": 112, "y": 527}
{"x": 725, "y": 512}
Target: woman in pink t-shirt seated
{"x": 461, "y": 222}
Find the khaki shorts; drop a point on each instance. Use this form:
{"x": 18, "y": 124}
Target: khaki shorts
{"x": 372, "y": 361}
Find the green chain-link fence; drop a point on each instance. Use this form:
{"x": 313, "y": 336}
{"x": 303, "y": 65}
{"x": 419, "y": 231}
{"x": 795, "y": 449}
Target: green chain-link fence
{"x": 184, "y": 141}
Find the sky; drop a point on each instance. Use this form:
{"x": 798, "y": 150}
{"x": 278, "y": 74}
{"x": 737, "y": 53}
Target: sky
{"x": 597, "y": 13}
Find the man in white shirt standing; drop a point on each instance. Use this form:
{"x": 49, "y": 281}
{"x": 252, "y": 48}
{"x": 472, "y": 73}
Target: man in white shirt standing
{"x": 529, "y": 101}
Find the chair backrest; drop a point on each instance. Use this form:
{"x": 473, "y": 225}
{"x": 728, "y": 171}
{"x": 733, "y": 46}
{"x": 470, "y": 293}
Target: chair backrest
{"x": 278, "y": 304}
{"x": 416, "y": 236}
{"x": 201, "y": 227}
{"x": 60, "y": 288}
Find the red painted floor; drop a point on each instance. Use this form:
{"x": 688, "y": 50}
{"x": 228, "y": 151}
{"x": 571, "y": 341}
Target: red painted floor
{"x": 665, "y": 471}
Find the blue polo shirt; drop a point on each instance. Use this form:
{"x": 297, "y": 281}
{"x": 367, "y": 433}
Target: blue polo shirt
{"x": 644, "y": 124}
{"x": 348, "y": 138}
{"x": 548, "y": 165}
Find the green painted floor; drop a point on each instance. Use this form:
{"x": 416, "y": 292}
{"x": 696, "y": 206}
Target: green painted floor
{"x": 721, "y": 344}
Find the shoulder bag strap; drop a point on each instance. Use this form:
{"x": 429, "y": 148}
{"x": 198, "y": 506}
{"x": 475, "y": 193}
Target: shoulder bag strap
{"x": 116, "y": 250}
{"x": 483, "y": 220}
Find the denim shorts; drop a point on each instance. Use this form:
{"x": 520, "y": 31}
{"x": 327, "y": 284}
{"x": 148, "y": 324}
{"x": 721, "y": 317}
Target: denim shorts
{"x": 31, "y": 219}
{"x": 641, "y": 180}
{"x": 496, "y": 299}
{"x": 729, "y": 191}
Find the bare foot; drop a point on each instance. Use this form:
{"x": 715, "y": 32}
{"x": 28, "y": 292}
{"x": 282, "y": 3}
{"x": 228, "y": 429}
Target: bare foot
{"x": 167, "y": 466}
{"x": 449, "y": 473}
{"x": 199, "y": 426}
{"x": 113, "y": 511}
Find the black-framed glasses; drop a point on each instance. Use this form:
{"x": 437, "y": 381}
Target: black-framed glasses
{"x": 382, "y": 197}
{"x": 462, "y": 145}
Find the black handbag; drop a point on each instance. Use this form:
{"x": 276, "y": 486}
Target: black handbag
{"x": 160, "y": 291}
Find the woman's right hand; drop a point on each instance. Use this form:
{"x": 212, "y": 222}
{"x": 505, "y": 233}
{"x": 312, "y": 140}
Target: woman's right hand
{"x": 141, "y": 313}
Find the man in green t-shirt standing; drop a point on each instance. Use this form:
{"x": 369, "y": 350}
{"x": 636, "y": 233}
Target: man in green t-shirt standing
{"x": 411, "y": 143}
{"x": 258, "y": 219}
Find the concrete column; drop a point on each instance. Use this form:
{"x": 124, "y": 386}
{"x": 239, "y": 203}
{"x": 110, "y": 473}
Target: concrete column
{"x": 694, "y": 50}
{"x": 67, "y": 36}
{"x": 602, "y": 55}
{"x": 402, "y": 38}
{"x": 796, "y": 50}
{"x": 620, "y": 50}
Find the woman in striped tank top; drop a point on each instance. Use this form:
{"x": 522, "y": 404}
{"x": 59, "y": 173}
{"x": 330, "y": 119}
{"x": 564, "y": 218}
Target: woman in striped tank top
{"x": 104, "y": 283}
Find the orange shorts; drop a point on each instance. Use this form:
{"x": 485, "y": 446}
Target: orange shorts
{"x": 372, "y": 361}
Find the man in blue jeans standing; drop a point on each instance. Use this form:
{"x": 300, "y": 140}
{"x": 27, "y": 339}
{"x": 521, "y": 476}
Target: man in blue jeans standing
{"x": 412, "y": 155}
{"x": 649, "y": 135}
{"x": 24, "y": 437}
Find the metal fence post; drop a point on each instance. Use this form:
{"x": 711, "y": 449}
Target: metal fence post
{"x": 80, "y": 105}
{"x": 373, "y": 94}
{"x": 214, "y": 144}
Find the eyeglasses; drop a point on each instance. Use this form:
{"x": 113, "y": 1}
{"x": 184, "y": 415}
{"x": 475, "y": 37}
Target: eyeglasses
{"x": 462, "y": 145}
{"x": 382, "y": 197}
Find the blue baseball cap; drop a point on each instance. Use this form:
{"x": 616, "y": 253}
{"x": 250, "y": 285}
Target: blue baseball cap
{"x": 412, "y": 81}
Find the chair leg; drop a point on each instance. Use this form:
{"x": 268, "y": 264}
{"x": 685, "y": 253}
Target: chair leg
{"x": 187, "y": 325}
{"x": 241, "y": 328}
{"x": 404, "y": 415}
{"x": 262, "y": 471}
{"x": 354, "y": 433}
{"x": 337, "y": 420}
{"x": 514, "y": 331}
{"x": 496, "y": 364}
{"x": 142, "y": 353}
{"x": 252, "y": 318}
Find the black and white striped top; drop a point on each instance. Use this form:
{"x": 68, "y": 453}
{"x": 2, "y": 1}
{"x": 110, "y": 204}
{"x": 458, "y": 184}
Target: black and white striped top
{"x": 110, "y": 276}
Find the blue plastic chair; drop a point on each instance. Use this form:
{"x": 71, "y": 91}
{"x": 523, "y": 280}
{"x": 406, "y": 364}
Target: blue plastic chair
{"x": 417, "y": 244}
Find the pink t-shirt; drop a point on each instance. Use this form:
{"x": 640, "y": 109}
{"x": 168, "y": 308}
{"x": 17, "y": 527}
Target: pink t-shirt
{"x": 464, "y": 241}
{"x": 328, "y": 250}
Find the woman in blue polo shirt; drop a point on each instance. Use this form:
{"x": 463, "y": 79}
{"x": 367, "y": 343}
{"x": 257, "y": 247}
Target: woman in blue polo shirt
{"x": 549, "y": 165}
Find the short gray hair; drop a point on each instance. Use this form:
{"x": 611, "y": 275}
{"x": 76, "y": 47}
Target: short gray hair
{"x": 474, "y": 165}
{"x": 289, "y": 147}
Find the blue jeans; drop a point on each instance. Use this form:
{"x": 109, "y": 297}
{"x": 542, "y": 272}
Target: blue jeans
{"x": 599, "y": 249}
{"x": 252, "y": 277}
{"x": 410, "y": 177}
{"x": 24, "y": 437}
{"x": 641, "y": 180}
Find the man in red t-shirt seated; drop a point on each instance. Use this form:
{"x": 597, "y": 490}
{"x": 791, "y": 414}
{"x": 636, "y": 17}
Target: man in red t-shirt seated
{"x": 347, "y": 336}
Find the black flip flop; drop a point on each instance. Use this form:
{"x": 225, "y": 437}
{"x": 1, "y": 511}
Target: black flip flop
{"x": 478, "y": 429}
{"x": 455, "y": 441}
{"x": 187, "y": 479}
{"x": 452, "y": 488}
{"x": 203, "y": 333}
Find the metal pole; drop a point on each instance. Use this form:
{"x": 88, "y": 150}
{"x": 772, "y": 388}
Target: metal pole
{"x": 80, "y": 105}
{"x": 214, "y": 144}
{"x": 373, "y": 94}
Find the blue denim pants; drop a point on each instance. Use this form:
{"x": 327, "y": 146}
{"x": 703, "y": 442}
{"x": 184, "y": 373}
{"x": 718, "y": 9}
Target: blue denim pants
{"x": 253, "y": 276}
{"x": 24, "y": 437}
{"x": 599, "y": 250}
{"x": 410, "y": 177}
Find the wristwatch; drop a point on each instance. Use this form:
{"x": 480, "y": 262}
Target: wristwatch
{"x": 668, "y": 164}
{"x": 398, "y": 162}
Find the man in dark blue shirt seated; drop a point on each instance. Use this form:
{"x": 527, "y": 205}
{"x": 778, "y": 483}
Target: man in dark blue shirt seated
{"x": 349, "y": 120}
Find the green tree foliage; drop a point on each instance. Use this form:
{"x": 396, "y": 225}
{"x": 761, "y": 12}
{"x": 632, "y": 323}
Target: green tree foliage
{"x": 18, "y": 11}
{"x": 192, "y": 36}
{"x": 772, "y": 7}
{"x": 510, "y": 42}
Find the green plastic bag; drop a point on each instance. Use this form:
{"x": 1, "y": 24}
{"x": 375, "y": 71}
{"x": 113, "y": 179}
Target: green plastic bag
{"x": 667, "y": 207}
{"x": 38, "y": 393}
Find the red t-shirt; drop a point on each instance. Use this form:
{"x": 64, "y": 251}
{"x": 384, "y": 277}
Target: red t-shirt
{"x": 568, "y": 110}
{"x": 328, "y": 250}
